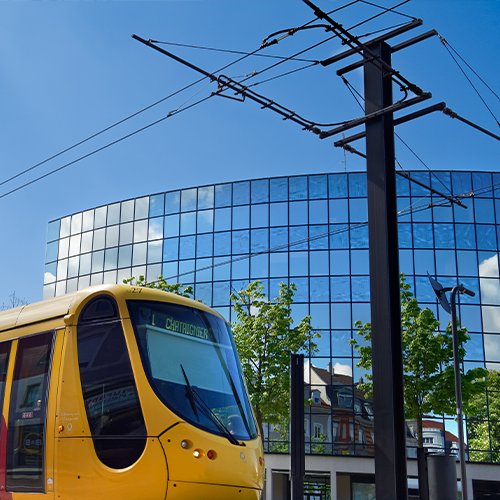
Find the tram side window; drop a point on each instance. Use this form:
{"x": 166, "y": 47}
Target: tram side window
{"x": 27, "y": 414}
{"x": 4, "y": 363}
{"x": 109, "y": 391}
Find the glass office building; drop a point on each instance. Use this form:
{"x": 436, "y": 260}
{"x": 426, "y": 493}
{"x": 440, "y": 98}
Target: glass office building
{"x": 310, "y": 230}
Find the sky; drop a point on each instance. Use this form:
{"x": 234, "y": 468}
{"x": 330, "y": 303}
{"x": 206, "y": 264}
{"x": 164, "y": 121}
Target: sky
{"x": 69, "y": 70}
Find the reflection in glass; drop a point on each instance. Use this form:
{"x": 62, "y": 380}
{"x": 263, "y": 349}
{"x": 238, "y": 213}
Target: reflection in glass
{"x": 278, "y": 264}
{"x": 260, "y": 215}
{"x": 100, "y": 217}
{"x": 205, "y": 197}
{"x": 279, "y": 214}
{"x": 76, "y": 223}
{"x": 241, "y": 217}
{"x": 339, "y": 236}
{"x": 112, "y": 236}
{"x": 99, "y": 239}
{"x": 155, "y": 251}
{"x": 259, "y": 266}
{"x": 126, "y": 232}
{"x": 222, "y": 243}
{"x": 156, "y": 205}
{"x": 73, "y": 266}
{"x": 278, "y": 237}
{"x": 488, "y": 264}
{"x": 240, "y": 269}
{"x": 221, "y": 271}
{"x": 481, "y": 180}
{"x": 486, "y": 237}
{"x": 241, "y": 242}
{"x": 125, "y": 256}
{"x": 360, "y": 263}
{"x": 188, "y": 200}
{"x": 339, "y": 262}
{"x": 188, "y": 223}
{"x": 223, "y": 195}
{"x": 298, "y": 188}
{"x": 204, "y": 245}
{"x": 171, "y": 249}
{"x": 205, "y": 221}
{"x": 279, "y": 189}
{"x": 298, "y": 212}
{"x": 98, "y": 261}
{"x": 63, "y": 248}
{"x": 338, "y": 211}
{"x": 85, "y": 264}
{"x": 53, "y": 230}
{"x": 318, "y": 263}
{"x": 241, "y": 193}
{"x": 461, "y": 183}
{"x": 113, "y": 214}
{"x": 357, "y": 184}
{"x": 51, "y": 272}
{"x": 445, "y": 263}
{"x": 298, "y": 238}
{"x": 359, "y": 236}
{"x": 341, "y": 316}
{"x": 492, "y": 345}
{"x": 424, "y": 262}
{"x": 320, "y": 316}
{"x": 127, "y": 211}
{"x": 111, "y": 259}
{"x": 204, "y": 271}
{"x": 318, "y": 185}
{"x": 470, "y": 318}
{"x": 139, "y": 254}
{"x": 337, "y": 186}
{"x": 260, "y": 191}
{"x": 223, "y": 219}
{"x": 259, "y": 240}
{"x": 65, "y": 227}
{"x": 172, "y": 202}
{"x": 423, "y": 236}
{"x": 406, "y": 261}
{"x": 155, "y": 229}
{"x": 62, "y": 269}
{"x": 360, "y": 289}
{"x": 141, "y": 208}
{"x": 186, "y": 247}
{"x": 299, "y": 264}
{"x": 74, "y": 245}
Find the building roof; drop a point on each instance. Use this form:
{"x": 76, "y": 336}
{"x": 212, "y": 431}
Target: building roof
{"x": 432, "y": 424}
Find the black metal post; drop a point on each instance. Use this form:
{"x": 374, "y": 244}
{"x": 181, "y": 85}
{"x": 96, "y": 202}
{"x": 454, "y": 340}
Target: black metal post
{"x": 458, "y": 388}
{"x": 388, "y": 394}
{"x": 297, "y": 441}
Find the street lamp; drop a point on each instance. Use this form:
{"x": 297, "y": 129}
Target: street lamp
{"x": 441, "y": 297}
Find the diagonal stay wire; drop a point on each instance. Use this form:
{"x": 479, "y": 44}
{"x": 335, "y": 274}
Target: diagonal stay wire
{"x": 391, "y": 9}
{"x": 283, "y": 74}
{"x": 177, "y": 111}
{"x": 445, "y": 43}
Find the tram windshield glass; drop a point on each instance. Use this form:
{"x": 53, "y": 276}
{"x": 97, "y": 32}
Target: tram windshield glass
{"x": 192, "y": 364}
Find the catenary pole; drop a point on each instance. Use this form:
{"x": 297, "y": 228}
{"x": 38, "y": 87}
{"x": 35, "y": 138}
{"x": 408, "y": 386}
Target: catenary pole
{"x": 388, "y": 390}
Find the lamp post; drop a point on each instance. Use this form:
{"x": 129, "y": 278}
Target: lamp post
{"x": 441, "y": 297}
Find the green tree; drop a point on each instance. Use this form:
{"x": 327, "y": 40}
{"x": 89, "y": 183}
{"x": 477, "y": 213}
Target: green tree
{"x": 429, "y": 379}
{"x": 265, "y": 339}
{"x": 483, "y": 422}
{"x": 161, "y": 284}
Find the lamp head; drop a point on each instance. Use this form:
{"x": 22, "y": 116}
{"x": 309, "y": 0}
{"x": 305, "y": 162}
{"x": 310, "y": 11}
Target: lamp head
{"x": 440, "y": 294}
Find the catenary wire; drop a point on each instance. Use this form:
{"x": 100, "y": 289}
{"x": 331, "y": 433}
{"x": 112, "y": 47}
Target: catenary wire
{"x": 106, "y": 146}
{"x": 444, "y": 42}
{"x": 391, "y": 9}
{"x": 380, "y": 13}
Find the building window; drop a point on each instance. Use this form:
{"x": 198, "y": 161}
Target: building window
{"x": 318, "y": 430}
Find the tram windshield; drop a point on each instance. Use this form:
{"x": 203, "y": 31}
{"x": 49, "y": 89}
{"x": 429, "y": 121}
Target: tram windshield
{"x": 192, "y": 364}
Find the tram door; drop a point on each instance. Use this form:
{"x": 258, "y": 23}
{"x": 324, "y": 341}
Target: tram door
{"x": 24, "y": 393}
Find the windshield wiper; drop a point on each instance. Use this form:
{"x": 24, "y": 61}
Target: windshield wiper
{"x": 190, "y": 394}
{"x": 194, "y": 398}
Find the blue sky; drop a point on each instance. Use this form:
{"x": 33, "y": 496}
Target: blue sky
{"x": 70, "y": 69}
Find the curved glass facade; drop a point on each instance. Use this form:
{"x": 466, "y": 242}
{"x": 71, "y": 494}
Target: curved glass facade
{"x": 310, "y": 230}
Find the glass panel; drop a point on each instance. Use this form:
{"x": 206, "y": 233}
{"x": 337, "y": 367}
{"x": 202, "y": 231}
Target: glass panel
{"x": 338, "y": 211}
{"x": 155, "y": 249}
{"x": 416, "y": 189}
{"x": 127, "y": 211}
{"x": 186, "y": 247}
{"x": 172, "y": 225}
{"x": 298, "y": 238}
{"x": 222, "y": 243}
{"x": 223, "y": 219}
{"x": 109, "y": 278}
{"x": 259, "y": 266}
{"x": 359, "y": 237}
{"x": 241, "y": 242}
{"x": 204, "y": 245}
{"x": 221, "y": 269}
{"x": 486, "y": 237}
{"x": 27, "y": 415}
{"x": 278, "y": 265}
{"x": 141, "y": 208}
{"x": 320, "y": 317}
{"x": 299, "y": 264}
{"x": 358, "y": 210}
{"x": 62, "y": 269}
{"x": 76, "y": 223}
{"x": 117, "y": 425}
{"x": 223, "y": 195}
{"x": 339, "y": 236}
{"x": 52, "y": 251}
{"x": 188, "y": 200}
{"x": 445, "y": 263}
{"x": 484, "y": 211}
{"x": 467, "y": 263}
{"x": 99, "y": 239}
{"x": 318, "y": 263}
{"x": 188, "y": 223}
{"x": 470, "y": 318}
{"x": 402, "y": 186}
{"x": 340, "y": 289}
{"x": 259, "y": 240}
{"x": 466, "y": 236}
{"x": 298, "y": 212}
{"x": 241, "y": 217}
{"x": 357, "y": 184}
{"x": 461, "y": 182}
{"x": 111, "y": 259}
{"x": 65, "y": 227}
{"x": 112, "y": 236}
{"x": 339, "y": 262}
{"x": 424, "y": 262}
{"x": 490, "y": 291}
{"x": 113, "y": 214}
{"x": 488, "y": 264}
{"x": 204, "y": 273}
{"x": 241, "y": 193}
{"x": 203, "y": 292}
{"x": 318, "y": 212}
{"x": 318, "y": 237}
{"x": 318, "y": 185}
{"x": 279, "y": 214}
{"x": 85, "y": 264}
{"x": 53, "y": 230}
{"x": 240, "y": 269}
{"x": 222, "y": 291}
{"x": 341, "y": 316}
{"x": 444, "y": 236}
{"x": 298, "y": 188}
{"x": 474, "y": 346}
{"x": 171, "y": 249}
{"x": 155, "y": 230}
{"x": 100, "y": 217}
{"x": 260, "y": 191}
{"x": 125, "y": 256}
{"x": 279, "y": 238}
{"x": 337, "y": 186}
{"x": 360, "y": 289}
{"x": 205, "y": 221}
{"x": 156, "y": 205}
{"x": 481, "y": 180}
{"x": 51, "y": 272}
{"x": 492, "y": 345}
{"x": 360, "y": 262}
{"x": 172, "y": 202}
{"x": 140, "y": 231}
{"x": 423, "y": 236}
{"x": 443, "y": 214}
{"x": 405, "y": 236}
{"x": 170, "y": 272}
{"x": 260, "y": 215}
{"x": 126, "y": 233}
{"x": 205, "y": 197}
{"x": 87, "y": 240}
{"x": 279, "y": 189}
{"x": 320, "y": 289}
{"x": 97, "y": 261}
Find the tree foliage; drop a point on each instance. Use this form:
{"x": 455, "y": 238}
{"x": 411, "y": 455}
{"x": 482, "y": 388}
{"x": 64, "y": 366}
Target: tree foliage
{"x": 429, "y": 379}
{"x": 15, "y": 301}
{"x": 265, "y": 338}
{"x": 161, "y": 284}
{"x": 484, "y": 421}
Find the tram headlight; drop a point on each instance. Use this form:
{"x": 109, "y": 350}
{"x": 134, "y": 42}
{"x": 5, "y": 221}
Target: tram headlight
{"x": 198, "y": 453}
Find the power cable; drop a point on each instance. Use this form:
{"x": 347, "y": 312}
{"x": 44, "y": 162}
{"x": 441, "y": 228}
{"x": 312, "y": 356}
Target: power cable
{"x": 380, "y": 13}
{"x": 391, "y": 9}
{"x": 283, "y": 74}
{"x": 172, "y": 113}
{"x": 445, "y": 43}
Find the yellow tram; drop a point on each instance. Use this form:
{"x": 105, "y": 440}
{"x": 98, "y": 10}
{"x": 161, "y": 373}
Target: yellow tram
{"x": 123, "y": 392}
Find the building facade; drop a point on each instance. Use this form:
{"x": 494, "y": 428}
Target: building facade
{"x": 310, "y": 230}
